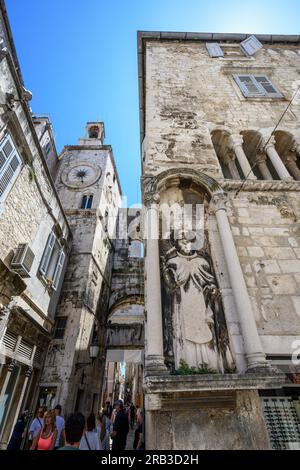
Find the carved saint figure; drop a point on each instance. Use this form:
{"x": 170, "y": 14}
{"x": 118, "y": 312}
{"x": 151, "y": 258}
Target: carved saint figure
{"x": 189, "y": 279}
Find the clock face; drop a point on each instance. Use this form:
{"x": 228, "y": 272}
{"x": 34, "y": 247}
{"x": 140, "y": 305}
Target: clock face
{"x": 81, "y": 176}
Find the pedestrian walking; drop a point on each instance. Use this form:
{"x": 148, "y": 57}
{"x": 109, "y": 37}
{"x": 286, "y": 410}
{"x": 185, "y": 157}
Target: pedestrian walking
{"x": 35, "y": 426}
{"x": 74, "y": 429}
{"x": 18, "y": 432}
{"x": 104, "y": 430}
{"x": 132, "y": 410}
{"x": 120, "y": 427}
{"x": 60, "y": 426}
{"x": 46, "y": 437}
{"x": 90, "y": 439}
{"x": 108, "y": 409}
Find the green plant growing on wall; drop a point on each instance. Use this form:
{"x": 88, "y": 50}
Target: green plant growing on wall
{"x": 31, "y": 174}
{"x": 185, "y": 369}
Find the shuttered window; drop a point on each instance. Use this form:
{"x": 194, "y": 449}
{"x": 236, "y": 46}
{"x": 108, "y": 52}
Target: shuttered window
{"x": 214, "y": 49}
{"x": 47, "y": 254}
{"x": 52, "y": 262}
{"x": 58, "y": 269}
{"x": 251, "y": 45}
{"x": 10, "y": 165}
{"x": 256, "y": 86}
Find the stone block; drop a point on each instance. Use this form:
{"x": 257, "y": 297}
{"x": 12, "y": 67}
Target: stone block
{"x": 255, "y": 252}
{"x": 282, "y": 284}
{"x": 280, "y": 253}
{"x": 290, "y": 266}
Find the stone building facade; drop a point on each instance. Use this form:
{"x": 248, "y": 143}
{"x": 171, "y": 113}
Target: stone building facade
{"x": 219, "y": 120}
{"x": 31, "y": 213}
{"x": 88, "y": 185}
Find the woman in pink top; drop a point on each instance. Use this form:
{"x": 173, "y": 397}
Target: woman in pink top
{"x": 45, "y": 440}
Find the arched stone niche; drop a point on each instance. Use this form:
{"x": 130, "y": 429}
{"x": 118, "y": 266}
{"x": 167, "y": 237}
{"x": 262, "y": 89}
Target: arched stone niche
{"x": 194, "y": 326}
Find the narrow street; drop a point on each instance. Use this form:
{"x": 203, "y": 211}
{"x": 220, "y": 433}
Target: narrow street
{"x": 130, "y": 439}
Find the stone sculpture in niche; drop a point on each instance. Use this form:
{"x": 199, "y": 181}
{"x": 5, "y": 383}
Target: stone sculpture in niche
{"x": 194, "y": 323}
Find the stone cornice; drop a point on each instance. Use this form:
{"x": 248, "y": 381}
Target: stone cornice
{"x": 191, "y": 383}
{"x": 260, "y": 185}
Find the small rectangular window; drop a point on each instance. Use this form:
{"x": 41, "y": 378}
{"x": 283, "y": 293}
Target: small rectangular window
{"x": 251, "y": 45}
{"x": 214, "y": 49}
{"x": 86, "y": 202}
{"x": 60, "y": 327}
{"x": 257, "y": 86}
{"x": 10, "y": 165}
{"x": 48, "y": 148}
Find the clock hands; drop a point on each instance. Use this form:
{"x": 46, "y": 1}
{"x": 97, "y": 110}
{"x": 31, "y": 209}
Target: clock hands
{"x": 81, "y": 174}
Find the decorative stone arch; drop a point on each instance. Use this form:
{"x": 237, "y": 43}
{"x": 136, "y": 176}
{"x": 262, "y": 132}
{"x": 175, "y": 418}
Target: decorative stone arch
{"x": 119, "y": 296}
{"x": 153, "y": 186}
{"x": 157, "y": 344}
{"x": 125, "y": 324}
{"x": 135, "y": 299}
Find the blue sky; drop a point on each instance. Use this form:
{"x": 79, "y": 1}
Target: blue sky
{"x": 79, "y": 58}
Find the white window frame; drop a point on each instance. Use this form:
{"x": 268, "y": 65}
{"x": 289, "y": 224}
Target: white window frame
{"x": 47, "y": 259}
{"x": 7, "y": 165}
{"x": 261, "y": 91}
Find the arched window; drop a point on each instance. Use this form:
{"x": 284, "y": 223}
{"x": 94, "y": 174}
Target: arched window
{"x": 86, "y": 202}
{"x": 94, "y": 132}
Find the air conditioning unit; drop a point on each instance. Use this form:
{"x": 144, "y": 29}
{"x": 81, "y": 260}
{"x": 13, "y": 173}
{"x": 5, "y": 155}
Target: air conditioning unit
{"x": 22, "y": 260}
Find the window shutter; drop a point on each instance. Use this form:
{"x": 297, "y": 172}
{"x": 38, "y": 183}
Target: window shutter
{"x": 58, "y": 269}
{"x": 248, "y": 85}
{"x": 47, "y": 253}
{"x": 251, "y": 45}
{"x": 267, "y": 86}
{"x": 10, "y": 165}
{"x": 214, "y": 49}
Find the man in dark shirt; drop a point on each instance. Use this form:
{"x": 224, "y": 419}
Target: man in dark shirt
{"x": 120, "y": 427}
{"x": 108, "y": 409}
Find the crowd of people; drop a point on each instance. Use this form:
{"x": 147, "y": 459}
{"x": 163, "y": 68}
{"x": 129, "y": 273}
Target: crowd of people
{"x": 106, "y": 431}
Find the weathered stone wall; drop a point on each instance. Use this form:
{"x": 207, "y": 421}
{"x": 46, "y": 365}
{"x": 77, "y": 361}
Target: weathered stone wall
{"x": 266, "y": 231}
{"x": 235, "y": 426}
{"x": 85, "y": 293}
{"x": 189, "y": 94}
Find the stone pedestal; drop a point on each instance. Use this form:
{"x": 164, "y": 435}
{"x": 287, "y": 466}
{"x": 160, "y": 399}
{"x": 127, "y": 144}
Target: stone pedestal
{"x": 207, "y": 412}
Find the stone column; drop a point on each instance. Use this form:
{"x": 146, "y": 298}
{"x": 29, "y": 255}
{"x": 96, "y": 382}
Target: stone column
{"x": 291, "y": 163}
{"x": 21, "y": 398}
{"x": 154, "y": 360}
{"x": 261, "y": 163}
{"x": 229, "y": 161}
{"x": 236, "y": 144}
{"x": 253, "y": 349}
{"x": 10, "y": 368}
{"x": 276, "y": 160}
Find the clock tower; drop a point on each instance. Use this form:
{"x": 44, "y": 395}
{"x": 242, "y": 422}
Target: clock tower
{"x": 89, "y": 189}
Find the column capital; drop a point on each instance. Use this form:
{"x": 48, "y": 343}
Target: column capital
{"x": 152, "y": 199}
{"x": 28, "y": 372}
{"x": 229, "y": 156}
{"x": 290, "y": 158}
{"x": 218, "y": 201}
{"x": 268, "y": 142}
{"x": 235, "y": 140}
{"x": 11, "y": 366}
{"x": 295, "y": 147}
{"x": 261, "y": 157}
